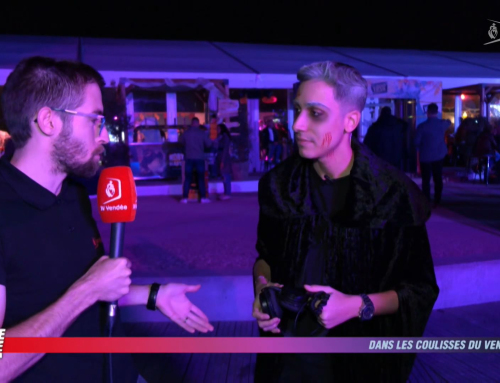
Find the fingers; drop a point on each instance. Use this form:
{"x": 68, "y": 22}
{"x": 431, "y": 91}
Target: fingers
{"x": 270, "y": 325}
{"x": 313, "y": 288}
{"x": 198, "y": 312}
{"x": 198, "y": 323}
{"x": 192, "y": 288}
{"x": 321, "y": 322}
{"x": 264, "y": 320}
{"x": 262, "y": 287}
{"x": 125, "y": 264}
{"x": 325, "y": 322}
{"x": 262, "y": 280}
{"x": 317, "y": 288}
{"x": 259, "y": 315}
{"x": 275, "y": 285}
{"x": 184, "y": 325}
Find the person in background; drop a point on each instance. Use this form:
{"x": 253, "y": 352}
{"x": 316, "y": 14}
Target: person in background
{"x": 431, "y": 145}
{"x": 496, "y": 132}
{"x": 270, "y": 141}
{"x": 485, "y": 143}
{"x": 223, "y": 160}
{"x": 486, "y": 150}
{"x": 195, "y": 141}
{"x": 387, "y": 138}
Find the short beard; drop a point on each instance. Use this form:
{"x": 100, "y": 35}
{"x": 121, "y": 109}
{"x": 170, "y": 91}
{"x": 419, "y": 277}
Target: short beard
{"x": 67, "y": 152}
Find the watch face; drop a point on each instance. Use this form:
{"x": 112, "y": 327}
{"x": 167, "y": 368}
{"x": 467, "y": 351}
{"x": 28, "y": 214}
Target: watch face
{"x": 367, "y": 313}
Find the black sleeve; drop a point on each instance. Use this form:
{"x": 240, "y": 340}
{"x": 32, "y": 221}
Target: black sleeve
{"x": 270, "y": 234}
{"x": 264, "y": 227}
{"x": 417, "y": 288}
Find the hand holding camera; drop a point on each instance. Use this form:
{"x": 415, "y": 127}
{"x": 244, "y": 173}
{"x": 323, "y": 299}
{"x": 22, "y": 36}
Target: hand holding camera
{"x": 264, "y": 321}
{"x": 274, "y": 301}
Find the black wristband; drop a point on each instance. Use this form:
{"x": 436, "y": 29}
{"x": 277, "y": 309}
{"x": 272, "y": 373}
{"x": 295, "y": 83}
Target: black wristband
{"x": 153, "y": 293}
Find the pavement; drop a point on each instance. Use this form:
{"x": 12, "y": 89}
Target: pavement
{"x": 214, "y": 244}
{"x": 169, "y": 238}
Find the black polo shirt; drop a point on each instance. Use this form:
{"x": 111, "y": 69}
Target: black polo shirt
{"x": 47, "y": 242}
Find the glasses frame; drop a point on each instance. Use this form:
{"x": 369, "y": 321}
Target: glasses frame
{"x": 90, "y": 115}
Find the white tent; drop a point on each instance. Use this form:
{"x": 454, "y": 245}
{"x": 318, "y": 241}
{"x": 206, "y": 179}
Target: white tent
{"x": 246, "y": 65}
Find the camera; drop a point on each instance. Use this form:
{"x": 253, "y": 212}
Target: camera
{"x": 276, "y": 301}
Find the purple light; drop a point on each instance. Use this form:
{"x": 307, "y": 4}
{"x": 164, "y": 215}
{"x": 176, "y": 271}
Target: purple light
{"x": 116, "y": 118}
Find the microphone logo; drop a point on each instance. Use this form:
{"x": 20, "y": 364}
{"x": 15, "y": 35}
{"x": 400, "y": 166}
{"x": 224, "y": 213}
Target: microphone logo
{"x": 110, "y": 189}
{"x": 113, "y": 189}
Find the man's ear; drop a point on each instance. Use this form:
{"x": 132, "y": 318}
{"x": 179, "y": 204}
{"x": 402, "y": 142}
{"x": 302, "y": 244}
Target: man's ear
{"x": 45, "y": 121}
{"x": 351, "y": 120}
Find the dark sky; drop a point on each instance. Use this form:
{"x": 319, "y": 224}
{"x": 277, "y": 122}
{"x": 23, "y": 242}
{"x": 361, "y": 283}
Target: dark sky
{"x": 458, "y": 25}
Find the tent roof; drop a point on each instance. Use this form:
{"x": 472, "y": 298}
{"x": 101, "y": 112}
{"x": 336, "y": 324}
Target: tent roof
{"x": 234, "y": 58}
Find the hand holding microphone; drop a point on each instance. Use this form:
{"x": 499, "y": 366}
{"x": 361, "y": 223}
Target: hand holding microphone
{"x": 108, "y": 279}
{"x": 117, "y": 204}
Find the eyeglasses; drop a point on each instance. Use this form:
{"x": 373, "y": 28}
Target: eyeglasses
{"x": 95, "y": 117}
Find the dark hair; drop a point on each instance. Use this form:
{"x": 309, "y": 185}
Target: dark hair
{"x": 386, "y": 111}
{"x": 432, "y": 108}
{"x": 38, "y": 82}
{"x": 224, "y": 129}
{"x": 195, "y": 119}
{"x": 9, "y": 148}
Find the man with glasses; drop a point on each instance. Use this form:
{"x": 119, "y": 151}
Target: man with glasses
{"x": 54, "y": 279}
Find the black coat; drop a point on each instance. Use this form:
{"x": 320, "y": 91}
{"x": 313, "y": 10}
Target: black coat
{"x": 378, "y": 243}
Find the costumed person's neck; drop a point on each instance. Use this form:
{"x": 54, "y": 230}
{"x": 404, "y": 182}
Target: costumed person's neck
{"x": 39, "y": 167}
{"x": 336, "y": 164}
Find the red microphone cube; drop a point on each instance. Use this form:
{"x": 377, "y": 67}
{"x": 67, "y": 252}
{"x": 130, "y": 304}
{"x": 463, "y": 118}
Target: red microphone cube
{"x": 117, "y": 195}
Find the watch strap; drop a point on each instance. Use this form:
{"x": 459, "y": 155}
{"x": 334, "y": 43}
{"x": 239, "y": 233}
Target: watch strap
{"x": 153, "y": 294}
{"x": 367, "y": 305}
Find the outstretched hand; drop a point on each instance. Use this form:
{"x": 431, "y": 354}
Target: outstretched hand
{"x": 173, "y": 302}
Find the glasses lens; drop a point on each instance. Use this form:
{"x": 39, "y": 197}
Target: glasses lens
{"x": 102, "y": 125}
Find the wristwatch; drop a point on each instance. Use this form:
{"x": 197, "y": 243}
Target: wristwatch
{"x": 367, "y": 309}
{"x": 153, "y": 294}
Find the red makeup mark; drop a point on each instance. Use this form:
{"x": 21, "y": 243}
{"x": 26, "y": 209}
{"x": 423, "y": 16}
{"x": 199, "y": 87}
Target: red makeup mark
{"x": 97, "y": 242}
{"x": 327, "y": 140}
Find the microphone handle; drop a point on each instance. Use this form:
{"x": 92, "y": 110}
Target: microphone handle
{"x": 116, "y": 251}
{"x": 117, "y": 239}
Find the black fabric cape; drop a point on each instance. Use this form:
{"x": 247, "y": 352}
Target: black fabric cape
{"x": 378, "y": 243}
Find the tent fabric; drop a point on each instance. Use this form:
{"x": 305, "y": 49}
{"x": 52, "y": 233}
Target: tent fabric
{"x": 156, "y": 56}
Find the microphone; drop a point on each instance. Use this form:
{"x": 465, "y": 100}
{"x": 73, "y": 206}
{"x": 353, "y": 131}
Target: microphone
{"x": 117, "y": 204}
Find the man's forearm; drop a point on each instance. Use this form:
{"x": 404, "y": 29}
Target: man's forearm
{"x": 51, "y": 322}
{"x": 137, "y": 295}
{"x": 384, "y": 303}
